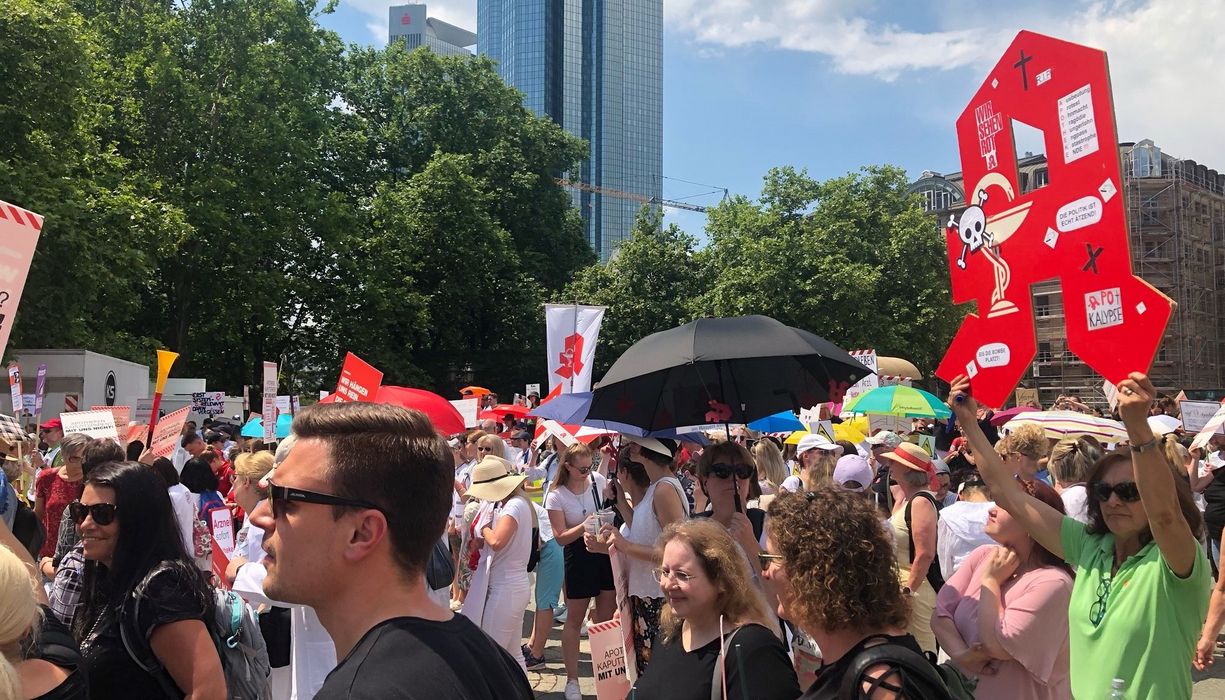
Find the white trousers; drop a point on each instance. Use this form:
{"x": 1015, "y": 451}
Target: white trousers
{"x": 502, "y": 618}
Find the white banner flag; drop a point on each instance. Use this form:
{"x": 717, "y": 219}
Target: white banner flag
{"x": 269, "y": 413}
{"x": 572, "y": 334}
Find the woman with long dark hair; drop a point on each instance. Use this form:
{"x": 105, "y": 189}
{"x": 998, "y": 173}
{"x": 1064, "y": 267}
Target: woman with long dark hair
{"x": 132, "y": 546}
{"x": 1003, "y": 616}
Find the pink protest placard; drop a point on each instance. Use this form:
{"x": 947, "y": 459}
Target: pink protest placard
{"x": 19, "y": 229}
{"x": 608, "y": 660}
{"x": 122, "y": 415}
{"x": 166, "y": 435}
{"x": 625, "y": 610}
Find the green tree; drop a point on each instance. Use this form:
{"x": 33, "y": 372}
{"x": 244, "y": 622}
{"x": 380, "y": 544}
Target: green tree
{"x": 649, "y": 285}
{"x": 853, "y": 259}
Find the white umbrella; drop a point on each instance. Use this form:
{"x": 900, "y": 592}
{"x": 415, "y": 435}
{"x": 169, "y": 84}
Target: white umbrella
{"x": 1061, "y": 424}
{"x": 1163, "y": 424}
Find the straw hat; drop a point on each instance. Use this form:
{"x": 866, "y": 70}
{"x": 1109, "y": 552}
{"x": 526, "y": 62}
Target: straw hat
{"x": 492, "y": 479}
{"x": 911, "y": 456}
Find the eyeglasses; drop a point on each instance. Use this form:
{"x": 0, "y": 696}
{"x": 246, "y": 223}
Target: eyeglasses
{"x": 102, "y": 513}
{"x": 765, "y": 559}
{"x": 679, "y": 576}
{"x": 484, "y": 449}
{"x": 583, "y": 470}
{"x": 279, "y": 495}
{"x": 1126, "y": 491}
{"x": 1098, "y": 610}
{"x": 723, "y": 470}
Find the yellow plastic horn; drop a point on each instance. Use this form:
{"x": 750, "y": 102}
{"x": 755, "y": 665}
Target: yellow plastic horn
{"x": 165, "y": 359}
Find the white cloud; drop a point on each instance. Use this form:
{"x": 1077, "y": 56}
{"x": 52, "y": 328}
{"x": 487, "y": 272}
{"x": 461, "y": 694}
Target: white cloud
{"x": 1165, "y": 55}
{"x": 461, "y": 13}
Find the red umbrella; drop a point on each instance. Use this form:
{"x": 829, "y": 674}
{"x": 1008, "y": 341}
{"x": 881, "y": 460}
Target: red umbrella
{"x": 503, "y": 409}
{"x": 441, "y": 413}
{"x": 1001, "y": 417}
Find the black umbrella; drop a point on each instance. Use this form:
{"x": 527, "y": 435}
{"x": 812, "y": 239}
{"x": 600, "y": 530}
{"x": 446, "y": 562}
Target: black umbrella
{"x": 722, "y": 370}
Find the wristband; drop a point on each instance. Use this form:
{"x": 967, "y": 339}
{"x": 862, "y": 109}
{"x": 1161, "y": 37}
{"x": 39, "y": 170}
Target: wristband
{"x": 1146, "y": 446}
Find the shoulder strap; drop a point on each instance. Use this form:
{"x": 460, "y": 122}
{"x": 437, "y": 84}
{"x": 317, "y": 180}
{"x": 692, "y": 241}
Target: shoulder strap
{"x": 906, "y": 514}
{"x": 910, "y": 675}
{"x": 595, "y": 496}
{"x": 717, "y": 691}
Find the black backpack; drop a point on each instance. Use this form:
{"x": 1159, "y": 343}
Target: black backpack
{"x": 912, "y": 676}
{"x": 934, "y": 577}
{"x": 27, "y": 529}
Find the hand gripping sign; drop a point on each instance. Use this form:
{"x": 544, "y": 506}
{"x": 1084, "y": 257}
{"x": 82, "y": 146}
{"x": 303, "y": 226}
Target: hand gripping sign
{"x": 1073, "y": 229}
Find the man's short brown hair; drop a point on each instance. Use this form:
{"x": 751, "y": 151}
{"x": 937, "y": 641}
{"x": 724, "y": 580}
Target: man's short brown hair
{"x": 391, "y": 457}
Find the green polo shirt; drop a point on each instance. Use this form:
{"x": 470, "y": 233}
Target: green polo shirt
{"x": 1149, "y": 618}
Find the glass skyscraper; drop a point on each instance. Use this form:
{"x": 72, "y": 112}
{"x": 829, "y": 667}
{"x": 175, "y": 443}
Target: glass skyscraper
{"x": 596, "y": 68}
{"x": 409, "y": 23}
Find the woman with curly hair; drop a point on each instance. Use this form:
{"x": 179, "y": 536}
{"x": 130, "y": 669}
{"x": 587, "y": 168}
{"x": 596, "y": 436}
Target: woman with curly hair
{"x": 1027, "y": 446}
{"x": 831, "y": 566}
{"x": 715, "y": 629}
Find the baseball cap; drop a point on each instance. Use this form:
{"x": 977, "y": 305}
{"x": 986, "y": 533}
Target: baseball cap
{"x": 853, "y": 468}
{"x": 53, "y": 424}
{"x": 887, "y": 438}
{"x": 939, "y": 464}
{"x": 660, "y": 446}
{"x": 814, "y": 441}
{"x": 521, "y": 435}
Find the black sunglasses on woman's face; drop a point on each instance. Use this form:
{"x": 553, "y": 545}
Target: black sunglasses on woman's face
{"x": 724, "y": 471}
{"x": 1126, "y": 491}
{"x": 102, "y": 513}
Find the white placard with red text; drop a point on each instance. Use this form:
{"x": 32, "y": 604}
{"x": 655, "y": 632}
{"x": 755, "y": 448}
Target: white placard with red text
{"x": 168, "y": 431}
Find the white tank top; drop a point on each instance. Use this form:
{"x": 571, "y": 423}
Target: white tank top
{"x": 645, "y": 530}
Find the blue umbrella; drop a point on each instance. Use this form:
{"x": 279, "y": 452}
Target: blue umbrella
{"x": 778, "y": 423}
{"x": 571, "y": 409}
{"x": 255, "y": 427}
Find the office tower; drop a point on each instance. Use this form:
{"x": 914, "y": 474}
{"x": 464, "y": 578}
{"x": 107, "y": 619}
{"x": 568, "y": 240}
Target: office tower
{"x": 595, "y": 68}
{"x": 409, "y": 23}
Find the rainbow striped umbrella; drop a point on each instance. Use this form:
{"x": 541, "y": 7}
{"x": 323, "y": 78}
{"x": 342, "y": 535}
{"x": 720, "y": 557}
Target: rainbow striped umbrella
{"x": 1061, "y": 424}
{"x": 904, "y": 401}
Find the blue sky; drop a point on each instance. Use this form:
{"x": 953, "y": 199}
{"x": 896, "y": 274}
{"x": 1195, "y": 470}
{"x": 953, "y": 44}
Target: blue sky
{"x": 832, "y": 85}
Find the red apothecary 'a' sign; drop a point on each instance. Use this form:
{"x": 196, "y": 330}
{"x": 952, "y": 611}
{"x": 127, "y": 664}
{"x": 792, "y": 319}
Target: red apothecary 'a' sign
{"x": 1073, "y": 229}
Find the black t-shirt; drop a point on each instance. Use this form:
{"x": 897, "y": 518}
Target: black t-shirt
{"x": 829, "y": 677}
{"x": 409, "y": 658}
{"x": 1214, "y": 504}
{"x": 676, "y": 674}
{"x": 756, "y": 516}
{"x": 54, "y": 644}
{"x": 172, "y": 594}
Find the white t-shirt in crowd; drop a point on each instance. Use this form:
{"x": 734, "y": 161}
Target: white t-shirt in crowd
{"x": 576, "y": 508}
{"x": 185, "y": 514}
{"x": 1076, "y": 502}
{"x": 959, "y": 532}
{"x": 510, "y": 564}
{"x": 792, "y": 483}
{"x": 546, "y": 527}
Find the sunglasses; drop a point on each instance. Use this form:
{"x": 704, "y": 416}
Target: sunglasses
{"x": 724, "y": 471}
{"x": 280, "y": 495}
{"x": 1126, "y": 491}
{"x": 102, "y": 513}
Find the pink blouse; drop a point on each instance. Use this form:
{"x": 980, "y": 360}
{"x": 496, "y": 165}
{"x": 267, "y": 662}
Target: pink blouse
{"x": 1033, "y": 628}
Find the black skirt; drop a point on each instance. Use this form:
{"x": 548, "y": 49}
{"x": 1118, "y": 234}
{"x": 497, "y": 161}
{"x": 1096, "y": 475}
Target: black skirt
{"x": 587, "y": 573}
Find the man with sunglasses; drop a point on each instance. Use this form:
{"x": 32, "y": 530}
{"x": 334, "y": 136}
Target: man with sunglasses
{"x": 350, "y": 523}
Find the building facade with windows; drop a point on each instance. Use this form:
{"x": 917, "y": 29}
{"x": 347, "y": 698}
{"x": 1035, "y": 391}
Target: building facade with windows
{"x": 595, "y": 68}
{"x": 411, "y": 25}
{"x": 1176, "y": 222}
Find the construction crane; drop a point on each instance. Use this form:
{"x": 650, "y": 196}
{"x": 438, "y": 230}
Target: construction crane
{"x": 621, "y": 194}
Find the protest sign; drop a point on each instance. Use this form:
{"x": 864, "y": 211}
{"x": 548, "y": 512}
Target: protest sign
{"x": 220, "y": 562}
{"x": 269, "y": 413}
{"x": 288, "y": 404}
{"x": 40, "y": 389}
{"x": 223, "y": 530}
{"x": 167, "y": 432}
{"x": 143, "y": 410}
{"x": 1212, "y": 427}
{"x": 927, "y": 442}
{"x": 868, "y": 359}
{"x": 824, "y": 428}
{"x": 96, "y": 424}
{"x": 27, "y": 403}
{"x": 570, "y": 340}
{"x": 625, "y": 610}
{"x": 1025, "y": 397}
{"x": 895, "y": 424}
{"x": 209, "y": 403}
{"x": 551, "y": 428}
{"x": 532, "y": 389}
{"x": 1073, "y": 229}
{"x": 607, "y": 641}
{"x": 1111, "y": 392}
{"x": 359, "y": 380}
{"x": 15, "y": 387}
{"x": 122, "y": 416}
{"x": 137, "y": 431}
{"x": 1196, "y": 414}
{"x": 468, "y": 409}
{"x": 19, "y": 230}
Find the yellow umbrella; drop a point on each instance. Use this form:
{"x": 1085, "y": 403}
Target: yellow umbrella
{"x": 853, "y": 431}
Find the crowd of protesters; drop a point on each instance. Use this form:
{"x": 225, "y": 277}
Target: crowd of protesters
{"x": 993, "y": 566}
